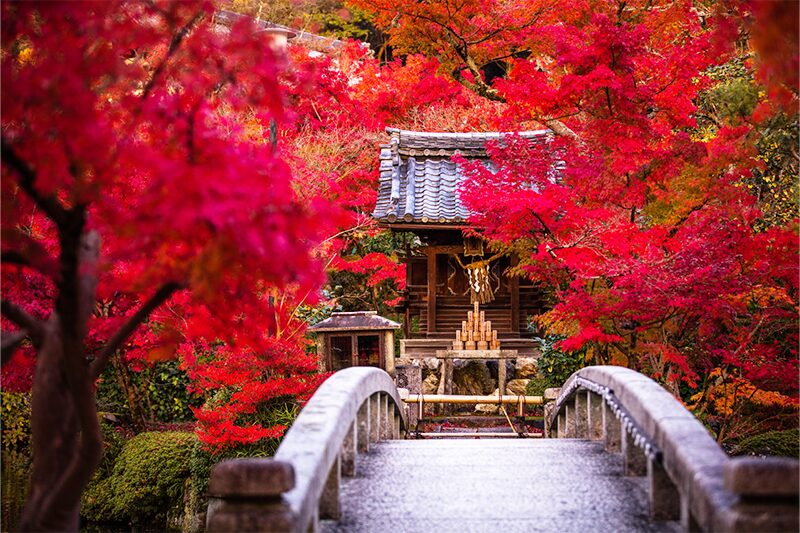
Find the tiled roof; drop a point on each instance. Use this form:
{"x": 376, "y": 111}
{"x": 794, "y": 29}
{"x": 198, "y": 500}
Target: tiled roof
{"x": 418, "y": 179}
{"x": 358, "y": 320}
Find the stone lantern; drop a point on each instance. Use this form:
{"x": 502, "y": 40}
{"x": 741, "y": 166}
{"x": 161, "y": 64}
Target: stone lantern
{"x": 361, "y": 338}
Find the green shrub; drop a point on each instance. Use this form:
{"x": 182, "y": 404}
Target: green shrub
{"x": 780, "y": 443}
{"x": 147, "y": 479}
{"x": 160, "y": 390}
{"x": 538, "y": 384}
{"x": 555, "y": 365}
{"x": 16, "y": 420}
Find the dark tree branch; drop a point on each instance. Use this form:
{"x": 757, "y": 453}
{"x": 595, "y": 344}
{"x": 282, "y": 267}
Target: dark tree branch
{"x": 173, "y": 46}
{"x": 127, "y": 329}
{"x": 541, "y": 221}
{"x": 685, "y": 217}
{"x": 10, "y": 342}
{"x": 12, "y": 257}
{"x": 27, "y": 178}
{"x": 23, "y": 319}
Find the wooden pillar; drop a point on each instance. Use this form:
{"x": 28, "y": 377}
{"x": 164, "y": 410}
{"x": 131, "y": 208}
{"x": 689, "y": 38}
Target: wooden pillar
{"x": 431, "y": 290}
{"x": 513, "y": 288}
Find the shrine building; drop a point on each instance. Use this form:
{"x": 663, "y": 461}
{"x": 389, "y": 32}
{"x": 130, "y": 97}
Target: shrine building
{"x": 418, "y": 193}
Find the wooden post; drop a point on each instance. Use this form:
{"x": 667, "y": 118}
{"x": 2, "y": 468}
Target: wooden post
{"x": 513, "y": 287}
{"x": 431, "y": 291}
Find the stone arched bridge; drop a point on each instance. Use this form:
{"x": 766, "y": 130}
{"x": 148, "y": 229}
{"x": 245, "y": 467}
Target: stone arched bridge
{"x": 622, "y": 454}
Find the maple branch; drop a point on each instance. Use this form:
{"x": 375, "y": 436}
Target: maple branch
{"x": 22, "y": 318}
{"x": 176, "y": 41}
{"x": 685, "y": 217}
{"x": 12, "y": 257}
{"x": 10, "y": 342}
{"x": 541, "y": 221}
{"x": 127, "y": 329}
{"x": 27, "y": 177}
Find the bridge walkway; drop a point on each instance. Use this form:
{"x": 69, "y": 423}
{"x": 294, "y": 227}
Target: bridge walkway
{"x": 492, "y": 485}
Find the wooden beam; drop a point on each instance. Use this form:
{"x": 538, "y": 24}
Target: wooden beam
{"x": 431, "y": 291}
{"x": 477, "y": 354}
{"x": 443, "y": 249}
{"x": 401, "y": 226}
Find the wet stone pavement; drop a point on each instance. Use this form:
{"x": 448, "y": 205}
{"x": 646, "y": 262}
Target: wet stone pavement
{"x": 500, "y": 485}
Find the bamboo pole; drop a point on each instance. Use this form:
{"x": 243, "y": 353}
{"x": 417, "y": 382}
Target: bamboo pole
{"x": 464, "y": 399}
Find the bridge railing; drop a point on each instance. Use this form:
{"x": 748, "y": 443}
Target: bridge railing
{"x": 689, "y": 477}
{"x": 354, "y": 408}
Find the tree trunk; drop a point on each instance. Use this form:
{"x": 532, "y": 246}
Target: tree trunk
{"x": 59, "y": 446}
{"x": 65, "y": 433}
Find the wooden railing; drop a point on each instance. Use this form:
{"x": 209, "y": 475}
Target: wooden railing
{"x": 689, "y": 477}
{"x": 354, "y": 408}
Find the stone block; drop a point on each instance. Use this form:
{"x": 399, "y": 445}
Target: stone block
{"x": 768, "y": 476}
{"x": 551, "y": 395}
{"x": 525, "y": 367}
{"x": 517, "y": 387}
{"x": 431, "y": 384}
{"x": 247, "y": 478}
{"x": 409, "y": 377}
{"x": 244, "y": 516}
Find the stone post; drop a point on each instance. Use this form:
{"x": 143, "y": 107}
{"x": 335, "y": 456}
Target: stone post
{"x": 386, "y": 417}
{"x": 634, "y": 459}
{"x": 501, "y": 375}
{"x": 388, "y": 351}
{"x": 611, "y": 430}
{"x": 570, "y": 431}
{"x": 375, "y": 417}
{"x": 550, "y": 396}
{"x": 767, "y": 490}
{"x": 349, "y": 451}
{"x": 245, "y": 495}
{"x": 595, "y": 415}
{"x": 362, "y": 423}
{"x": 329, "y": 506}
{"x": 665, "y": 500}
{"x": 561, "y": 425}
{"x": 580, "y": 414}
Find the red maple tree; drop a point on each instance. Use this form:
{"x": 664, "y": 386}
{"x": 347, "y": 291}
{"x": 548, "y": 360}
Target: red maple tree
{"x": 126, "y": 181}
